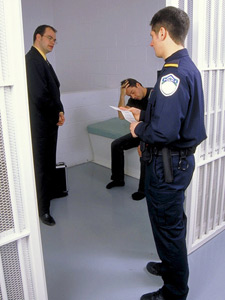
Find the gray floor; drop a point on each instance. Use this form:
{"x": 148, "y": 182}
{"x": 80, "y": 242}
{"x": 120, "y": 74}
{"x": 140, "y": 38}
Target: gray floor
{"x": 102, "y": 241}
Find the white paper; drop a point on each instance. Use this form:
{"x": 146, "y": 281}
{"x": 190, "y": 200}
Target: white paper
{"x": 127, "y": 114}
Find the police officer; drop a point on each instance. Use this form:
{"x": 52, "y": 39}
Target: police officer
{"x": 170, "y": 130}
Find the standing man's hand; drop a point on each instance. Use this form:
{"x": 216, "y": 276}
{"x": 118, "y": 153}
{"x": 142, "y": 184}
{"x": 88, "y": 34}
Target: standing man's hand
{"x": 61, "y": 119}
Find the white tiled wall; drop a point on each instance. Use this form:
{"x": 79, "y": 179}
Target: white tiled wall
{"x": 82, "y": 109}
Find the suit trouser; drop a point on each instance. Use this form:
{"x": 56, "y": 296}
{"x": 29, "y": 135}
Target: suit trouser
{"x": 168, "y": 221}
{"x": 118, "y": 146}
{"x": 44, "y": 152}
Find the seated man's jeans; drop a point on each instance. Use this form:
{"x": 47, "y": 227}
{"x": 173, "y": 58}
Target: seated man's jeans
{"x": 118, "y": 146}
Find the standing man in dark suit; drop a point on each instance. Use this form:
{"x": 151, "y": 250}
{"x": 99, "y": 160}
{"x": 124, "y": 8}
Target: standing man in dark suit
{"x": 46, "y": 114}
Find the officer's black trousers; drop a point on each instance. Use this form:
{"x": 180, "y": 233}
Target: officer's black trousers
{"x": 44, "y": 152}
{"x": 117, "y": 159}
{"x": 168, "y": 221}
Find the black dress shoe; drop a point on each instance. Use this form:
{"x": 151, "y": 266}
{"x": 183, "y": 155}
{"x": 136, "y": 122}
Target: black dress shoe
{"x": 115, "y": 183}
{"x": 153, "y": 296}
{"x": 154, "y": 268}
{"x": 47, "y": 219}
{"x": 59, "y": 195}
{"x": 138, "y": 196}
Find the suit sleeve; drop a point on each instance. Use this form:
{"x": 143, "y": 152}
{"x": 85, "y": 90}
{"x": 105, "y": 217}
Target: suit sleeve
{"x": 37, "y": 84}
{"x": 42, "y": 96}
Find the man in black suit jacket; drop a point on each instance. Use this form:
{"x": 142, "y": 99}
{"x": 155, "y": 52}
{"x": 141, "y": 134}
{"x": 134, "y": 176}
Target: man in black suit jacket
{"x": 46, "y": 114}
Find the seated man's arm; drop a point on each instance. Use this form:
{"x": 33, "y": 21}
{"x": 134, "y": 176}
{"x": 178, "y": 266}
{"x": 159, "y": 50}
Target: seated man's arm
{"x": 122, "y": 98}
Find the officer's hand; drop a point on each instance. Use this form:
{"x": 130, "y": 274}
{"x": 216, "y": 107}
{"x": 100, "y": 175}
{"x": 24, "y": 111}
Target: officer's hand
{"x": 136, "y": 113}
{"x": 132, "y": 128}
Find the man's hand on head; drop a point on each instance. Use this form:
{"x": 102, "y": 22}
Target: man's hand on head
{"x": 124, "y": 87}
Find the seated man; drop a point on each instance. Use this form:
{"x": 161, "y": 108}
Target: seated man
{"x": 138, "y": 98}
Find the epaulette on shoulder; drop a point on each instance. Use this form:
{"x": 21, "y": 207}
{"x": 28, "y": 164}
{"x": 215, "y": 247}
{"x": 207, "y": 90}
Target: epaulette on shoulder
{"x": 173, "y": 64}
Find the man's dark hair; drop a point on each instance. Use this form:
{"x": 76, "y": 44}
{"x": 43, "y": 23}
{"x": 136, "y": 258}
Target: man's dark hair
{"x": 174, "y": 20}
{"x": 131, "y": 81}
{"x": 41, "y": 30}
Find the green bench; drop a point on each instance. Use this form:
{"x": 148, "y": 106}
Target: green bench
{"x": 112, "y": 128}
{"x": 102, "y": 134}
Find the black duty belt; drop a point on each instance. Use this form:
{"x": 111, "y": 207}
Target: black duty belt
{"x": 180, "y": 152}
{"x": 167, "y": 153}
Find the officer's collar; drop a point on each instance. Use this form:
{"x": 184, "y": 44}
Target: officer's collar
{"x": 176, "y": 55}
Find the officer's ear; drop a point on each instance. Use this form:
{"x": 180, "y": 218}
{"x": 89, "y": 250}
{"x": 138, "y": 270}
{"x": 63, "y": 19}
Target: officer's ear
{"x": 162, "y": 34}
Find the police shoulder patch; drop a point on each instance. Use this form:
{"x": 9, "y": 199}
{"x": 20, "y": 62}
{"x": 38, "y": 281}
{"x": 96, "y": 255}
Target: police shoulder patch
{"x": 169, "y": 84}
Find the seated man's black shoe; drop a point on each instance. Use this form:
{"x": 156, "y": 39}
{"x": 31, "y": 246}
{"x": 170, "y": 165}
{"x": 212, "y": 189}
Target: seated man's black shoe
{"x": 154, "y": 268}
{"x": 115, "y": 183}
{"x": 138, "y": 196}
{"x": 153, "y": 296}
{"x": 47, "y": 219}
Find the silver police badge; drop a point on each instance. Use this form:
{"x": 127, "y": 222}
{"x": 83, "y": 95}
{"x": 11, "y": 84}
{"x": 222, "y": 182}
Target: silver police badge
{"x": 169, "y": 84}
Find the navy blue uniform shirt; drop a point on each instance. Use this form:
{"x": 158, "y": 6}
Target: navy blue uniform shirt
{"x": 175, "y": 111}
